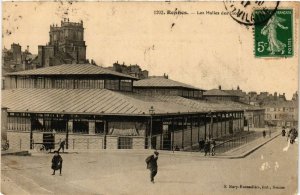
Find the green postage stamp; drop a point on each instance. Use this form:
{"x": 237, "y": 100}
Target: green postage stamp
{"x": 274, "y": 38}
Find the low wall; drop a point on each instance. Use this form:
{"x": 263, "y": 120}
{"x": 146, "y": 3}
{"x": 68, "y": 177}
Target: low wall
{"x": 18, "y": 140}
{"x": 21, "y": 140}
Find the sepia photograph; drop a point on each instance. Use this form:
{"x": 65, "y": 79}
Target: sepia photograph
{"x": 149, "y": 97}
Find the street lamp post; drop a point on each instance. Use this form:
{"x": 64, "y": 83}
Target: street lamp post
{"x": 210, "y": 125}
{"x": 151, "y": 112}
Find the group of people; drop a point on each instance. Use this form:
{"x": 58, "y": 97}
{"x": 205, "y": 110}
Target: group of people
{"x": 291, "y": 136}
{"x": 208, "y": 146}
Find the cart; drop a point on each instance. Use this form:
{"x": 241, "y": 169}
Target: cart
{"x": 47, "y": 144}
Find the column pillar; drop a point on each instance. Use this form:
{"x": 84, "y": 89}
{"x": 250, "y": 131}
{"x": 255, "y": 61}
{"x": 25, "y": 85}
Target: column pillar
{"x": 182, "y": 126}
{"x": 198, "y": 117}
{"x": 92, "y": 127}
{"x": 70, "y": 126}
{"x": 172, "y": 134}
{"x": 161, "y": 135}
{"x": 211, "y": 129}
{"x": 217, "y": 123}
{"x": 225, "y": 119}
{"x": 221, "y": 121}
{"x": 205, "y": 127}
{"x": 191, "y": 125}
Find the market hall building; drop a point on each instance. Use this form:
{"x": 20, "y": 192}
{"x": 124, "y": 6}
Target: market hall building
{"x": 96, "y": 108}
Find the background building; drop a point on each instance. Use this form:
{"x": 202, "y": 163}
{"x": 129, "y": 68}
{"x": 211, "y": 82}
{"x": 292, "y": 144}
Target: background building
{"x": 281, "y": 113}
{"x": 66, "y": 45}
{"x": 133, "y": 70}
{"x": 14, "y": 59}
{"x": 162, "y": 85}
{"x": 219, "y": 94}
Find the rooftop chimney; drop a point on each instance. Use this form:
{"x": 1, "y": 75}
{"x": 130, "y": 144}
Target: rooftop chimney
{"x": 220, "y": 87}
{"x": 166, "y": 76}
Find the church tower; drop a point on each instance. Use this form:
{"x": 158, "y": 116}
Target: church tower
{"x": 68, "y": 39}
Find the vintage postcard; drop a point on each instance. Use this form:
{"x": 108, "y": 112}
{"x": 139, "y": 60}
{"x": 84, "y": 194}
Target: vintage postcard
{"x": 149, "y": 97}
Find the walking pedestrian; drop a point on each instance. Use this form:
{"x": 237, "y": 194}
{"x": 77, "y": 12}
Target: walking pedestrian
{"x": 264, "y": 133}
{"x": 283, "y": 132}
{"x": 293, "y": 135}
{"x": 289, "y": 134}
{"x": 62, "y": 145}
{"x": 207, "y": 147}
{"x": 152, "y": 165}
{"x": 201, "y": 144}
{"x": 213, "y": 145}
{"x": 56, "y": 163}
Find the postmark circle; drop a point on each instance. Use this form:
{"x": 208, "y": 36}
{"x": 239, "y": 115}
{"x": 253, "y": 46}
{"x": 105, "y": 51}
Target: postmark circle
{"x": 243, "y": 12}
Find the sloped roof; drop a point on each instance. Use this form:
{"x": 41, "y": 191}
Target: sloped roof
{"x": 72, "y": 69}
{"x": 161, "y": 82}
{"x": 31, "y": 56}
{"x": 280, "y": 104}
{"x": 239, "y": 105}
{"x": 101, "y": 101}
{"x": 216, "y": 92}
{"x": 233, "y": 92}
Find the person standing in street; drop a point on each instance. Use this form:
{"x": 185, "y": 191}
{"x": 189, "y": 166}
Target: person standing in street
{"x": 207, "y": 147}
{"x": 56, "y": 163}
{"x": 201, "y": 144}
{"x": 62, "y": 145}
{"x": 264, "y": 133}
{"x": 283, "y": 132}
{"x": 152, "y": 165}
{"x": 213, "y": 145}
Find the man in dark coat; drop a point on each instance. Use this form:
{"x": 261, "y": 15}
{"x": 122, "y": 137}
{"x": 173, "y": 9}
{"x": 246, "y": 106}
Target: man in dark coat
{"x": 201, "y": 144}
{"x": 207, "y": 147}
{"x": 56, "y": 162}
{"x": 213, "y": 145}
{"x": 293, "y": 135}
{"x": 62, "y": 146}
{"x": 152, "y": 165}
{"x": 264, "y": 133}
{"x": 283, "y": 132}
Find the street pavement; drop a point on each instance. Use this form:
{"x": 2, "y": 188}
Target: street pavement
{"x": 272, "y": 169}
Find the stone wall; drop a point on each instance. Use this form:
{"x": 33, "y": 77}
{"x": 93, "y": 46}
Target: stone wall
{"x": 111, "y": 142}
{"x": 18, "y": 140}
{"x": 21, "y": 140}
{"x": 138, "y": 143}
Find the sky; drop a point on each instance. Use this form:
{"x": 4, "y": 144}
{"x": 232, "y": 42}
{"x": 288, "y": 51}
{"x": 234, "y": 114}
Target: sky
{"x": 203, "y": 50}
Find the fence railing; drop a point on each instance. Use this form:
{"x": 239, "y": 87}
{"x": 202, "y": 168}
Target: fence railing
{"x": 238, "y": 141}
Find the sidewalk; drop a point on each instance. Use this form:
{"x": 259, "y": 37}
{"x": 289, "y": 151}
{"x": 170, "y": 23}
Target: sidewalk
{"x": 239, "y": 152}
{"x": 246, "y": 149}
{"x": 14, "y": 152}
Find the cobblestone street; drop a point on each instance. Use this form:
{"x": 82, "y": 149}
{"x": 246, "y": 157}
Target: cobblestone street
{"x": 125, "y": 172}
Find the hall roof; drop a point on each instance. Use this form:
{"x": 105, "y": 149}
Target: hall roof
{"x": 161, "y": 82}
{"x": 71, "y": 69}
{"x": 103, "y": 101}
{"x": 216, "y": 92}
